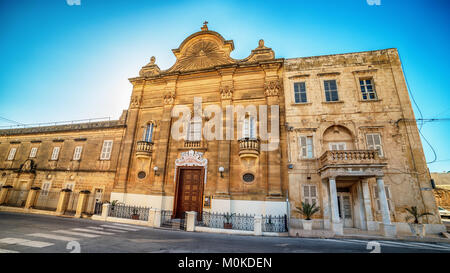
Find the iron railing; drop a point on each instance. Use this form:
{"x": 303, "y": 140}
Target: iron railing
{"x": 173, "y": 223}
{"x": 274, "y": 223}
{"x": 98, "y": 208}
{"x": 129, "y": 212}
{"x": 16, "y": 198}
{"x": 47, "y": 200}
{"x": 218, "y": 220}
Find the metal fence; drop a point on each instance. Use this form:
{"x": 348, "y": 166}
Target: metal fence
{"x": 47, "y": 200}
{"x": 169, "y": 222}
{"x": 129, "y": 212}
{"x": 72, "y": 204}
{"x": 218, "y": 220}
{"x": 98, "y": 208}
{"x": 16, "y": 198}
{"x": 274, "y": 223}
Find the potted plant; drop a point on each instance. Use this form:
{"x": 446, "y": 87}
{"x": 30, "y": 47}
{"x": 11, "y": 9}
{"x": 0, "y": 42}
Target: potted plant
{"x": 135, "y": 215}
{"x": 227, "y": 224}
{"x": 114, "y": 203}
{"x": 308, "y": 211}
{"x": 416, "y": 227}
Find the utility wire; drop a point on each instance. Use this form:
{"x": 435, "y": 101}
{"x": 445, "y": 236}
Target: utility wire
{"x": 11, "y": 121}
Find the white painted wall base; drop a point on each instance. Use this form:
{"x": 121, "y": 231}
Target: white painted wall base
{"x": 249, "y": 207}
{"x": 151, "y": 201}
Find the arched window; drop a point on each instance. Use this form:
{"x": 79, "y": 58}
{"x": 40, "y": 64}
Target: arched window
{"x": 148, "y": 133}
{"x": 249, "y": 127}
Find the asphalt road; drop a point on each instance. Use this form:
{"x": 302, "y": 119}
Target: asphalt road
{"x": 31, "y": 233}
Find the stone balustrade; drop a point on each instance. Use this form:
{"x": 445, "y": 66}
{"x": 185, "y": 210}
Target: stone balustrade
{"x": 144, "y": 149}
{"x": 343, "y": 157}
{"x": 249, "y": 147}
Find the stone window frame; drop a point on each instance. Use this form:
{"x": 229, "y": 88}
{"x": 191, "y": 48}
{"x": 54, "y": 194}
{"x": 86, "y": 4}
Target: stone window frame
{"x": 322, "y": 77}
{"x": 382, "y": 155}
{"x": 300, "y": 147}
{"x": 79, "y": 154}
{"x": 106, "y": 155}
{"x": 45, "y": 191}
{"x": 367, "y": 74}
{"x": 309, "y": 185}
{"x": 306, "y": 92}
{"x": 290, "y": 88}
{"x": 31, "y": 154}
{"x": 55, "y": 156}
{"x": 11, "y": 155}
{"x": 145, "y": 131}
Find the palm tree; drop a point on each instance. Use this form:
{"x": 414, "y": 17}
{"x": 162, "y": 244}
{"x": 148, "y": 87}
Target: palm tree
{"x": 308, "y": 210}
{"x": 415, "y": 214}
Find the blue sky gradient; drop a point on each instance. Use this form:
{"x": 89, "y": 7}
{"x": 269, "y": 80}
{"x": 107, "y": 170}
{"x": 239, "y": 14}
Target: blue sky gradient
{"x": 62, "y": 62}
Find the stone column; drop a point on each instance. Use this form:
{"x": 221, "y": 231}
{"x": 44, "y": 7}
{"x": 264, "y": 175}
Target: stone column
{"x": 191, "y": 216}
{"x": 81, "y": 205}
{"x": 31, "y": 198}
{"x": 336, "y": 223}
{"x": 105, "y": 210}
{"x": 371, "y": 224}
{"x": 387, "y": 228}
{"x": 258, "y": 225}
{"x": 62, "y": 202}
{"x": 4, "y": 194}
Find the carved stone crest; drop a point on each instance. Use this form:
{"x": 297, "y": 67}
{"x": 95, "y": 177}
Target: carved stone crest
{"x": 226, "y": 92}
{"x": 134, "y": 102}
{"x": 169, "y": 98}
{"x": 272, "y": 88}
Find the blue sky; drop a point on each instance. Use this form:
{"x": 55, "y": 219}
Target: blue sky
{"x": 62, "y": 62}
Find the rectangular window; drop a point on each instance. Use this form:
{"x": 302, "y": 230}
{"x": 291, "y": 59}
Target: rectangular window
{"x": 331, "y": 92}
{"x": 374, "y": 143}
{"x": 388, "y": 197}
{"x": 338, "y": 146}
{"x": 55, "y": 153}
{"x": 77, "y": 153}
{"x": 33, "y": 152}
{"x": 306, "y": 147}
{"x": 148, "y": 133}
{"x": 106, "y": 150}
{"x": 195, "y": 130}
{"x": 249, "y": 129}
{"x": 70, "y": 186}
{"x": 367, "y": 89}
{"x": 12, "y": 153}
{"x": 300, "y": 92}
{"x": 309, "y": 194}
{"x": 45, "y": 188}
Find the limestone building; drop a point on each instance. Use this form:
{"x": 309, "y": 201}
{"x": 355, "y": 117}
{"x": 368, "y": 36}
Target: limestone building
{"x": 342, "y": 134}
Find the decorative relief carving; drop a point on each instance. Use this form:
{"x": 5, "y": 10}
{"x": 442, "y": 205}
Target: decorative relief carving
{"x": 151, "y": 69}
{"x": 226, "y": 92}
{"x": 191, "y": 158}
{"x": 202, "y": 54}
{"x": 169, "y": 98}
{"x": 134, "y": 102}
{"x": 272, "y": 88}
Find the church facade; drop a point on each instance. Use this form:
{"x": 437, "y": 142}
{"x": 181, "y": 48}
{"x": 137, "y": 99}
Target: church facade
{"x": 257, "y": 135}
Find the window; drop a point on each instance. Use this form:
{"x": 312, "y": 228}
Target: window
{"x": 249, "y": 128}
{"x": 306, "y": 147}
{"x": 195, "y": 130}
{"x": 148, "y": 133}
{"x": 106, "y": 150}
{"x": 331, "y": 92}
{"x": 45, "y": 188}
{"x": 77, "y": 153}
{"x": 300, "y": 92}
{"x": 70, "y": 186}
{"x": 367, "y": 89}
{"x": 12, "y": 153}
{"x": 309, "y": 194}
{"x": 55, "y": 153}
{"x": 338, "y": 146}
{"x": 377, "y": 197}
{"x": 374, "y": 143}
{"x": 33, "y": 152}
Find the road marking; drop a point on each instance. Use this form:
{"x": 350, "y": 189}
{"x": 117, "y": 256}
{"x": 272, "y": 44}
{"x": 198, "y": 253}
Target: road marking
{"x": 8, "y": 251}
{"x": 342, "y": 241}
{"x": 409, "y": 245}
{"x": 430, "y": 245}
{"x": 53, "y": 236}
{"x": 100, "y": 228}
{"x": 117, "y": 227}
{"x": 125, "y": 225}
{"x": 93, "y": 231}
{"x": 24, "y": 242}
{"x": 77, "y": 233}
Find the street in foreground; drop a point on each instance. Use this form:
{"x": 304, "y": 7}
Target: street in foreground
{"x": 29, "y": 233}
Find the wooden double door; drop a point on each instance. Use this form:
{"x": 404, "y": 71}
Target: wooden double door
{"x": 189, "y": 191}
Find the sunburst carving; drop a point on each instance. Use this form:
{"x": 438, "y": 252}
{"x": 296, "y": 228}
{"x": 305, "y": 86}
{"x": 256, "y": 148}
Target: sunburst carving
{"x": 202, "y": 54}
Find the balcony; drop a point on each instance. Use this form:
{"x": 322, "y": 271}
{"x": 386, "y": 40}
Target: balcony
{"x": 194, "y": 145}
{"x": 351, "y": 162}
{"x": 248, "y": 147}
{"x": 144, "y": 149}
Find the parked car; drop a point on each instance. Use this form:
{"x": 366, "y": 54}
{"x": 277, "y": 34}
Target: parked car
{"x": 443, "y": 212}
